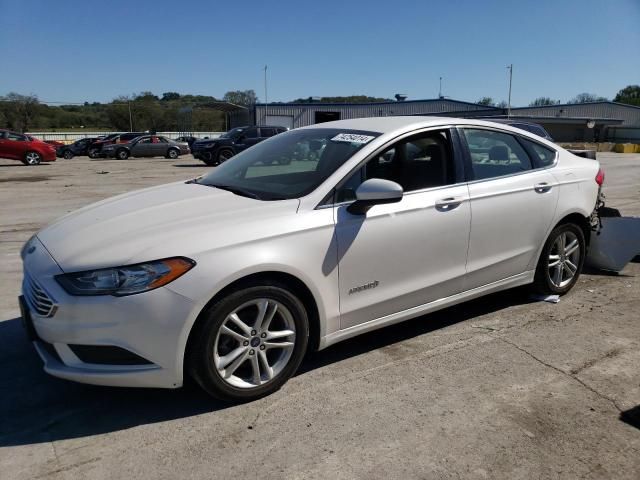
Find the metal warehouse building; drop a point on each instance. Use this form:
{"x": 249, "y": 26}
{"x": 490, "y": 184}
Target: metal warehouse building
{"x": 586, "y": 122}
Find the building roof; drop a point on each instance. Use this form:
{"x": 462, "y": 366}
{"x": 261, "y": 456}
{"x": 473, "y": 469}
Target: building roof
{"x": 329, "y": 104}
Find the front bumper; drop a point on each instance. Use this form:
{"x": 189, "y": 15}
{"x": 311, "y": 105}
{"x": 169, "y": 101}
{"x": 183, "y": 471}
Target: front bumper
{"x": 148, "y": 325}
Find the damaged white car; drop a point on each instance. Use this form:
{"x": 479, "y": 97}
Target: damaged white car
{"x": 306, "y": 239}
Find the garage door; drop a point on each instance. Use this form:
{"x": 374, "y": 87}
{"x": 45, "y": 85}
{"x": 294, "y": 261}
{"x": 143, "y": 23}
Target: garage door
{"x": 279, "y": 121}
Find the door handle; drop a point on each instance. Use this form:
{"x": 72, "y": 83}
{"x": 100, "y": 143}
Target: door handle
{"x": 447, "y": 204}
{"x": 542, "y": 187}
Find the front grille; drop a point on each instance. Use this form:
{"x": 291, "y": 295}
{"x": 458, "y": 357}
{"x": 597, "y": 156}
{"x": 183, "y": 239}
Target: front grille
{"x": 37, "y": 297}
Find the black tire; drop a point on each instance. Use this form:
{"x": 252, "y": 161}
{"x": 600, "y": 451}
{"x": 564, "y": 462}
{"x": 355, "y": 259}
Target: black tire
{"x": 224, "y": 155}
{"x": 543, "y": 282}
{"x": 207, "y": 157}
{"x": 173, "y": 153}
{"x": 204, "y": 338}
{"x": 32, "y": 158}
{"x": 93, "y": 153}
{"x": 122, "y": 154}
{"x": 67, "y": 154}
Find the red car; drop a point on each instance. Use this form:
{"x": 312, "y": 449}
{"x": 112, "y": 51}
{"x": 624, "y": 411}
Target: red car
{"x": 28, "y": 150}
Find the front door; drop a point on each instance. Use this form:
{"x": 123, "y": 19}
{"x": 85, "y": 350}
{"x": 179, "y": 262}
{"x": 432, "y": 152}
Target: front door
{"x": 512, "y": 205}
{"x": 403, "y": 255}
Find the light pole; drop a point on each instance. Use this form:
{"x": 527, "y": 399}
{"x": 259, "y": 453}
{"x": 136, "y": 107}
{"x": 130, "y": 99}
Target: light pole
{"x": 130, "y": 118}
{"x": 266, "y": 99}
{"x": 440, "y": 90}
{"x": 510, "y": 67}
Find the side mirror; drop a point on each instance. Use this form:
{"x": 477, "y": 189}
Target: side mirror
{"x": 375, "y": 191}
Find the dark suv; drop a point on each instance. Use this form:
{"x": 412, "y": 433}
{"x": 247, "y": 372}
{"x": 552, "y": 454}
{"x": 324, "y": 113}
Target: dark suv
{"x": 215, "y": 151}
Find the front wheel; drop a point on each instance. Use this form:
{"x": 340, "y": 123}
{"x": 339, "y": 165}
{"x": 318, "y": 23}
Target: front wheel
{"x": 68, "y": 154}
{"x": 173, "y": 154}
{"x": 94, "y": 153}
{"x": 32, "y": 158}
{"x": 561, "y": 260}
{"x": 224, "y": 155}
{"x": 249, "y": 343}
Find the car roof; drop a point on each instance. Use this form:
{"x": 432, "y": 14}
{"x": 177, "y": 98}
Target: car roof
{"x": 404, "y": 123}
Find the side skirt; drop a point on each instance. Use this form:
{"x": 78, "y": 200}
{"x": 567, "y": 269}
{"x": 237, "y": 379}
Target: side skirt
{"x": 504, "y": 284}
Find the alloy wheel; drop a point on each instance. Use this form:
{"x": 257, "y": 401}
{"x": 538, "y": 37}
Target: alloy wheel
{"x": 564, "y": 258}
{"x": 254, "y": 343}
{"x": 32, "y": 158}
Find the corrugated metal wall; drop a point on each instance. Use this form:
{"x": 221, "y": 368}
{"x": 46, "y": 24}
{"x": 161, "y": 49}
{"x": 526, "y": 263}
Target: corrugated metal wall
{"x": 304, "y": 114}
{"x": 629, "y": 114}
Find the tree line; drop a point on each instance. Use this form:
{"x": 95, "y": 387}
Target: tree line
{"x": 146, "y": 111}
{"x": 629, "y": 95}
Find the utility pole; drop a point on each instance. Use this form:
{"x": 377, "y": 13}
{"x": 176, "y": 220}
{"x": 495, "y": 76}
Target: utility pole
{"x": 440, "y": 91}
{"x": 130, "y": 118}
{"x": 510, "y": 67}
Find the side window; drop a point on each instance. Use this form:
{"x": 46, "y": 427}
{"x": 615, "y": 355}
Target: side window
{"x": 542, "y": 156}
{"x": 267, "y": 132}
{"x": 145, "y": 140}
{"x": 251, "y": 133}
{"x": 162, "y": 140}
{"x": 415, "y": 163}
{"x": 495, "y": 154}
{"x": 16, "y": 137}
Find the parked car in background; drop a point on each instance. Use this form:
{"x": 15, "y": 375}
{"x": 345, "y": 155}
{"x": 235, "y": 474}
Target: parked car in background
{"x": 187, "y": 139}
{"x": 95, "y": 151}
{"x": 231, "y": 277}
{"x": 27, "y": 149}
{"x": 215, "y": 151}
{"x": 79, "y": 147}
{"x": 55, "y": 143}
{"x": 146, "y": 146}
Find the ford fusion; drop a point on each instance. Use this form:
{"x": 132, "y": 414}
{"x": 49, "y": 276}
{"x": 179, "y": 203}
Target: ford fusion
{"x": 306, "y": 239}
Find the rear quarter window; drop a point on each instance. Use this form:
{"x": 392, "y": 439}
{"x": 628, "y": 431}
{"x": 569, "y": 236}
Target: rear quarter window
{"x": 542, "y": 156}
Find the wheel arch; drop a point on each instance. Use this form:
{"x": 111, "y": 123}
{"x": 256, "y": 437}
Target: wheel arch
{"x": 297, "y": 286}
{"x": 579, "y": 219}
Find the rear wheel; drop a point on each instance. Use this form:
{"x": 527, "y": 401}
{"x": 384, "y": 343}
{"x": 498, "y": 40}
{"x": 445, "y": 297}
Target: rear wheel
{"x": 249, "y": 343}
{"x": 68, "y": 154}
{"x": 32, "y": 158}
{"x": 561, "y": 260}
{"x": 173, "y": 153}
{"x": 93, "y": 153}
{"x": 122, "y": 154}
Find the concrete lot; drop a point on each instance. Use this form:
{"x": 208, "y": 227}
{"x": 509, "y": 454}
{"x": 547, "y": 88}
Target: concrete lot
{"x": 500, "y": 387}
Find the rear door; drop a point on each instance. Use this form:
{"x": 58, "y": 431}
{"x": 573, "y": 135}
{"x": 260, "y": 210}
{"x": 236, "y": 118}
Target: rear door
{"x": 513, "y": 201}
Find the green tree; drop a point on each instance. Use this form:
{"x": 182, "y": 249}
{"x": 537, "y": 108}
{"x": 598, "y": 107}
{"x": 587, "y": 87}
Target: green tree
{"x": 543, "y": 101}
{"x": 629, "y": 95}
{"x": 241, "y": 97}
{"x": 587, "y": 98}
{"x": 19, "y": 110}
{"x": 502, "y": 104}
{"x": 168, "y": 96}
{"x": 488, "y": 101}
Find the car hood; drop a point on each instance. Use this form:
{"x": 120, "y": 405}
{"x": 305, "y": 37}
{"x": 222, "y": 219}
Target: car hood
{"x": 178, "y": 219}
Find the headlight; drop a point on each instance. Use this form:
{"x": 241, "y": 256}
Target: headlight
{"x": 126, "y": 280}
{"x": 27, "y": 246}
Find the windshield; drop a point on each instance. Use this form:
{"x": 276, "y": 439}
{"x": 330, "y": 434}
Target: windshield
{"x": 289, "y": 165}
{"x": 233, "y": 133}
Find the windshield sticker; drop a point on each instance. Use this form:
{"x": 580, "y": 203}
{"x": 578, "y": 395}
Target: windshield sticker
{"x": 352, "y": 138}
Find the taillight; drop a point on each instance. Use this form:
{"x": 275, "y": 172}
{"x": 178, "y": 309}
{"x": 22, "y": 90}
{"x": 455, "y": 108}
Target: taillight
{"x": 600, "y": 177}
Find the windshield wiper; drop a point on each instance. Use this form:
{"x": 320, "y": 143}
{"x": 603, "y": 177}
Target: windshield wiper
{"x": 238, "y": 191}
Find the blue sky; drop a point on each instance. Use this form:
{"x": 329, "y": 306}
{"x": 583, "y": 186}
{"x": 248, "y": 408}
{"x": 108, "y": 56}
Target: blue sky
{"x": 84, "y": 50}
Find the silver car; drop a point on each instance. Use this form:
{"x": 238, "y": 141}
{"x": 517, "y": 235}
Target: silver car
{"x": 147, "y": 146}
{"x": 311, "y": 237}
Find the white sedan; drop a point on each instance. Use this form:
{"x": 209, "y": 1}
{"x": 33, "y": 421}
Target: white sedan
{"x": 306, "y": 239}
